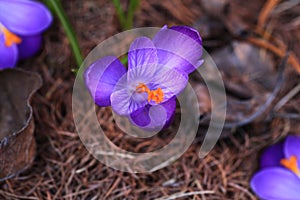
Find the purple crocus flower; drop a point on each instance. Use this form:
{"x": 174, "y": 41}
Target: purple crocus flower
{"x": 279, "y": 177}
{"x": 157, "y": 72}
{"x": 21, "y": 25}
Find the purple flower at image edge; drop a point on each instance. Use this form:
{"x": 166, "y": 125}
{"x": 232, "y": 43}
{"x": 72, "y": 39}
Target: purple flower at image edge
{"x": 279, "y": 176}
{"x": 21, "y": 25}
{"x": 157, "y": 72}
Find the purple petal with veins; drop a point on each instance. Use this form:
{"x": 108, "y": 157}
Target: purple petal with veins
{"x": 179, "y": 48}
{"x": 101, "y": 78}
{"x": 277, "y": 184}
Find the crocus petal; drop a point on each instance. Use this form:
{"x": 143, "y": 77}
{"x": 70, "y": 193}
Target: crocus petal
{"x": 24, "y": 17}
{"x": 101, "y": 78}
{"x": 192, "y": 33}
{"x": 171, "y": 81}
{"x": 272, "y": 155}
{"x": 141, "y": 117}
{"x": 9, "y": 55}
{"x": 141, "y": 74}
{"x": 179, "y": 48}
{"x": 125, "y": 98}
{"x": 142, "y": 54}
{"x": 125, "y": 101}
{"x": 154, "y": 117}
{"x": 277, "y": 184}
{"x": 29, "y": 46}
{"x": 170, "y": 107}
{"x": 292, "y": 148}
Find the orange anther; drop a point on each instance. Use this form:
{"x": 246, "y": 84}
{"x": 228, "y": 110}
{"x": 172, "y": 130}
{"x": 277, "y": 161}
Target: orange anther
{"x": 154, "y": 95}
{"x": 142, "y": 88}
{"x": 157, "y": 95}
{"x": 291, "y": 164}
{"x": 9, "y": 37}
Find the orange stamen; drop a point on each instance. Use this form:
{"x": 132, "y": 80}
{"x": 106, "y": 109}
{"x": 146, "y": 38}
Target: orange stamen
{"x": 9, "y": 37}
{"x": 154, "y": 95}
{"x": 291, "y": 164}
{"x": 142, "y": 88}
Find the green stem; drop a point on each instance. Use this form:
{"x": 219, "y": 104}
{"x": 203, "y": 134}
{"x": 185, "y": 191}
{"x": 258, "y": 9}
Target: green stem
{"x": 126, "y": 20}
{"x": 133, "y": 5}
{"x": 120, "y": 13}
{"x": 57, "y": 8}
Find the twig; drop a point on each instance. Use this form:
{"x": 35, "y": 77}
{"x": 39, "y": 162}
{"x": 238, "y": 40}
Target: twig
{"x": 94, "y": 187}
{"x": 265, "y": 12}
{"x": 115, "y": 184}
{"x": 293, "y": 60}
{"x": 287, "y": 97}
{"x": 271, "y": 38}
{"x": 286, "y": 115}
{"x": 242, "y": 189}
{"x": 17, "y": 196}
{"x": 284, "y": 6}
{"x": 180, "y": 194}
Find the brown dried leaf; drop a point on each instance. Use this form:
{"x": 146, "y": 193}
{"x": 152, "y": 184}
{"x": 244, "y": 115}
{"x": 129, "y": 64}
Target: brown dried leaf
{"x": 249, "y": 77}
{"x": 17, "y": 145}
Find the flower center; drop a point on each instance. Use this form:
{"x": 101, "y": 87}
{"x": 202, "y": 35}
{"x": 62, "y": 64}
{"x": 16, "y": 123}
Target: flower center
{"x": 154, "y": 95}
{"x": 291, "y": 164}
{"x": 9, "y": 37}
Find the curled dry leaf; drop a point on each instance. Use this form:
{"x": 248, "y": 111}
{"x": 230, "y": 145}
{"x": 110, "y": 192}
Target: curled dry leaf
{"x": 17, "y": 145}
{"x": 249, "y": 77}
